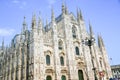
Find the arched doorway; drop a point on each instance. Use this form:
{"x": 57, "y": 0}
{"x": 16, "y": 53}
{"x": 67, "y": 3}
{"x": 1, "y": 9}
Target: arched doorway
{"x": 63, "y": 77}
{"x": 80, "y": 75}
{"x": 48, "y": 78}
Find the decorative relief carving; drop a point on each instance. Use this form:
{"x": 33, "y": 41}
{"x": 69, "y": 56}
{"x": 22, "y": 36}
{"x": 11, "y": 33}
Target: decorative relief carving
{"x": 49, "y": 71}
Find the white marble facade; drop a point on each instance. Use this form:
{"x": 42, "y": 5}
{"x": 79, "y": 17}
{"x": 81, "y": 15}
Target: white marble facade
{"x": 56, "y": 51}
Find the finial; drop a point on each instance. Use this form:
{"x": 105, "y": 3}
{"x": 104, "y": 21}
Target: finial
{"x": 24, "y": 24}
{"x": 63, "y": 8}
{"x": 66, "y": 9}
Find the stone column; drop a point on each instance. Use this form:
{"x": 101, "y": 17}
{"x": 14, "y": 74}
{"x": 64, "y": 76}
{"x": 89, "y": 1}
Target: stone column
{"x": 20, "y": 63}
{"x": 14, "y": 69}
{"x": 25, "y": 63}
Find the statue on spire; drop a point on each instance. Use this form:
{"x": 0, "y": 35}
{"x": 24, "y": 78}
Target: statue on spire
{"x": 63, "y": 8}
{"x": 24, "y": 24}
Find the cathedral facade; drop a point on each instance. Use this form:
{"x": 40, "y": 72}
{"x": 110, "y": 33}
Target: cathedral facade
{"x": 60, "y": 50}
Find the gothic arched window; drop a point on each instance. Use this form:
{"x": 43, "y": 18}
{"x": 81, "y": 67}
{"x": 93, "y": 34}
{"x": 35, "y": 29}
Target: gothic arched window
{"x": 80, "y": 75}
{"x": 62, "y": 61}
{"x": 74, "y": 32}
{"x": 63, "y": 77}
{"x": 77, "y": 50}
{"x": 60, "y": 44}
{"x": 100, "y": 63}
{"x": 47, "y": 59}
{"x": 48, "y": 78}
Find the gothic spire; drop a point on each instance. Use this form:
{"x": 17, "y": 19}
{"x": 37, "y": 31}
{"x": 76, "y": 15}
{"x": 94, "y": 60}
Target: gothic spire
{"x": 66, "y": 9}
{"x": 78, "y": 15}
{"x": 3, "y": 44}
{"x": 100, "y": 41}
{"x": 81, "y": 17}
{"x": 39, "y": 22}
{"x": 24, "y": 24}
{"x": 63, "y": 8}
{"x": 46, "y": 28}
{"x": 52, "y": 15}
{"x": 21, "y": 36}
{"x": 91, "y": 30}
{"x": 34, "y": 21}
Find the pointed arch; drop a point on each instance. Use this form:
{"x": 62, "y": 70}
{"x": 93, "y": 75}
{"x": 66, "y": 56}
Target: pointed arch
{"x": 47, "y": 59}
{"x": 77, "y": 50}
{"x": 62, "y": 61}
{"x": 74, "y": 31}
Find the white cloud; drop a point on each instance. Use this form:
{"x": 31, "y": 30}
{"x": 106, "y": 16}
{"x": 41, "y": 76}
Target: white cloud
{"x": 51, "y": 2}
{"x": 23, "y": 4}
{"x": 19, "y": 4}
{"x": 15, "y": 1}
{"x": 6, "y": 32}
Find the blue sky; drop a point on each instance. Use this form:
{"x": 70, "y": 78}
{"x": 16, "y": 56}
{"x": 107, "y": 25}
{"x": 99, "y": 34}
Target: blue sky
{"x": 104, "y": 16}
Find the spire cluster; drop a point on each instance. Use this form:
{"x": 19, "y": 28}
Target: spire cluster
{"x": 79, "y": 15}
{"x": 64, "y": 9}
